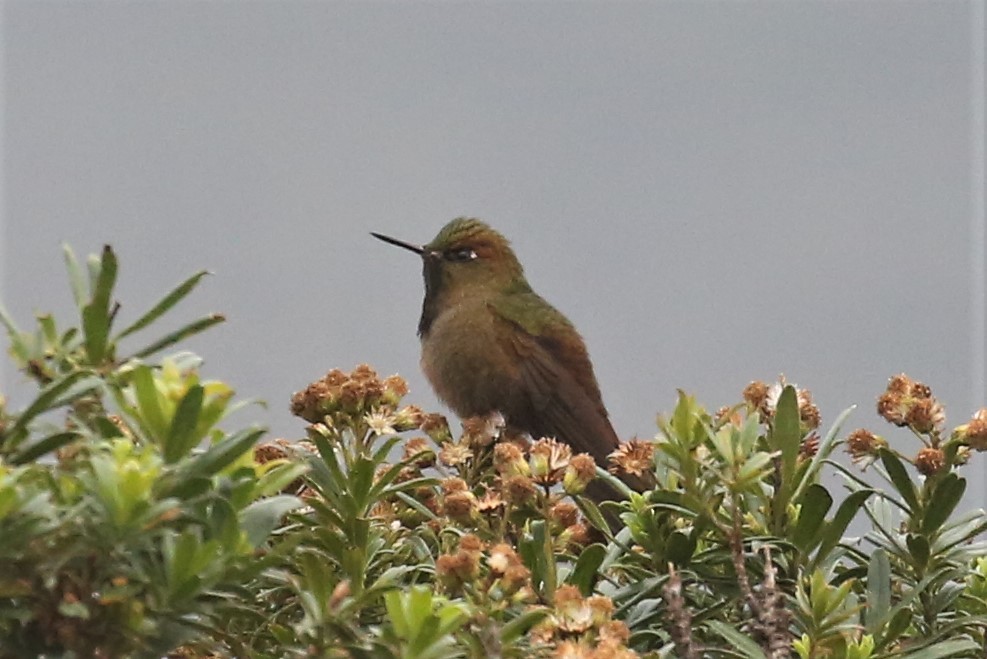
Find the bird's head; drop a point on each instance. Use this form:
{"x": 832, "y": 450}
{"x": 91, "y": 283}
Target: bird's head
{"x": 466, "y": 257}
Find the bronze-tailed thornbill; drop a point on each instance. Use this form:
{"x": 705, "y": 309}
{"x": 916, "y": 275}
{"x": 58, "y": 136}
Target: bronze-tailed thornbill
{"x": 491, "y": 344}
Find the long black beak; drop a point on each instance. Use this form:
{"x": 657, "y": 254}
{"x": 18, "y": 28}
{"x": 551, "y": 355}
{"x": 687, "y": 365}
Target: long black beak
{"x": 417, "y": 249}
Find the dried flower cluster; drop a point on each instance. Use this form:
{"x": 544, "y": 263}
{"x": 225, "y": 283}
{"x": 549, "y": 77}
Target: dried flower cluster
{"x": 340, "y": 398}
{"x": 863, "y": 446}
{"x": 974, "y": 432}
{"x": 583, "y": 628}
{"x": 635, "y": 457}
{"x": 495, "y": 572}
{"x": 907, "y": 402}
{"x": 763, "y": 398}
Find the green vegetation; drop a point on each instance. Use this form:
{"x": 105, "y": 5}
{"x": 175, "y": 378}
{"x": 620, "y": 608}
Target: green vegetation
{"x": 133, "y": 522}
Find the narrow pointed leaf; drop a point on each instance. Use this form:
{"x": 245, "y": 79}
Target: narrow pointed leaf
{"x": 77, "y": 277}
{"x": 918, "y": 547}
{"x": 741, "y": 643}
{"x": 900, "y": 479}
{"x": 224, "y": 453}
{"x": 878, "y": 590}
{"x": 148, "y": 403}
{"x": 43, "y": 447}
{"x": 786, "y": 435}
{"x": 181, "y": 436}
{"x": 584, "y": 574}
{"x": 952, "y": 648}
{"x": 812, "y": 517}
{"x": 166, "y": 303}
{"x": 837, "y": 526}
{"x": 943, "y": 502}
{"x": 825, "y": 450}
{"x": 50, "y": 395}
{"x": 262, "y": 516}
{"x": 96, "y": 316}
{"x": 191, "y": 329}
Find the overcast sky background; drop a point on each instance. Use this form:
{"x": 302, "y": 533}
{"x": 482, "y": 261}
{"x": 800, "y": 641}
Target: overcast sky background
{"x": 713, "y": 192}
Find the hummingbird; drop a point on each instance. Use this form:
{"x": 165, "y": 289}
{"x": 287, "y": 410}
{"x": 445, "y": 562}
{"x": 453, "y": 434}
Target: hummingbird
{"x": 491, "y": 344}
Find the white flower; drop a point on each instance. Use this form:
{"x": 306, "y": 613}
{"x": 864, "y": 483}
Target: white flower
{"x": 381, "y": 423}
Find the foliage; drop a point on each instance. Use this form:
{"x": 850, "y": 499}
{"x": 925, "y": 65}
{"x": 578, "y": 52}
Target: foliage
{"x": 132, "y": 524}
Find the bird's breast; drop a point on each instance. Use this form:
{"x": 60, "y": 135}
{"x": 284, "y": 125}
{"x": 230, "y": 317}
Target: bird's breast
{"x": 466, "y": 363}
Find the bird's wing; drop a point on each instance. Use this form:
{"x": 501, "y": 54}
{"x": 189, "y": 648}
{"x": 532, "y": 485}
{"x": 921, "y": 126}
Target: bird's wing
{"x": 556, "y": 375}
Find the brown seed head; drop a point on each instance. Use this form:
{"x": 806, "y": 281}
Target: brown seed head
{"x": 407, "y": 418}
{"x": 900, "y": 384}
{"x": 515, "y": 578}
{"x": 459, "y": 505}
{"x": 580, "y": 472}
{"x": 471, "y": 542}
{"x": 451, "y": 485}
{"x": 457, "y": 569}
{"x": 549, "y": 459}
{"x": 509, "y": 460}
{"x": 491, "y": 503}
{"x": 564, "y": 513}
{"x": 480, "y": 431}
{"x": 930, "y": 461}
{"x": 602, "y": 608}
{"x": 437, "y": 428}
{"x": 974, "y": 433}
{"x": 518, "y": 490}
{"x": 633, "y": 457}
{"x": 756, "y": 396}
{"x": 925, "y": 415}
{"x": 453, "y": 455}
{"x": 862, "y": 444}
{"x": 394, "y": 389}
{"x": 502, "y": 556}
{"x": 808, "y": 412}
{"x": 418, "y": 448}
{"x": 573, "y": 613}
{"x": 579, "y": 535}
{"x": 809, "y": 446}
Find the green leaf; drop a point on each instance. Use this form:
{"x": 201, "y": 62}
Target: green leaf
{"x": 740, "y": 642}
{"x": 812, "y": 517}
{"x": 943, "y": 502}
{"x": 878, "y": 590}
{"x": 680, "y": 547}
{"x": 593, "y": 514}
{"x": 785, "y": 437}
{"x": 393, "y": 602}
{"x": 918, "y": 546}
{"x": 191, "y": 329}
{"x": 149, "y": 403}
{"x": 261, "y": 517}
{"x": 181, "y": 437}
{"x": 223, "y": 453}
{"x": 825, "y": 450}
{"x": 77, "y": 277}
{"x": 96, "y": 315}
{"x": 166, "y": 303}
{"x": 834, "y": 530}
{"x": 899, "y": 478}
{"x": 584, "y": 574}
{"x": 50, "y": 395}
{"x": 43, "y": 447}
{"x": 19, "y": 346}
{"x": 518, "y": 626}
{"x": 952, "y": 648}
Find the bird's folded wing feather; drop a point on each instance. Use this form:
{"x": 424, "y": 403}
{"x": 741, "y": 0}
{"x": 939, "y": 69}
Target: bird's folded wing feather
{"x": 556, "y": 373}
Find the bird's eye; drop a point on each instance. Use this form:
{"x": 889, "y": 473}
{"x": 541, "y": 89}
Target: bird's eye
{"x": 460, "y": 255}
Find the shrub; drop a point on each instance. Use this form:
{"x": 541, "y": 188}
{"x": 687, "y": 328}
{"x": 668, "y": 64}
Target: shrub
{"x": 133, "y": 524}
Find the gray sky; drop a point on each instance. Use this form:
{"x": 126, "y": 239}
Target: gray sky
{"x": 713, "y": 192}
